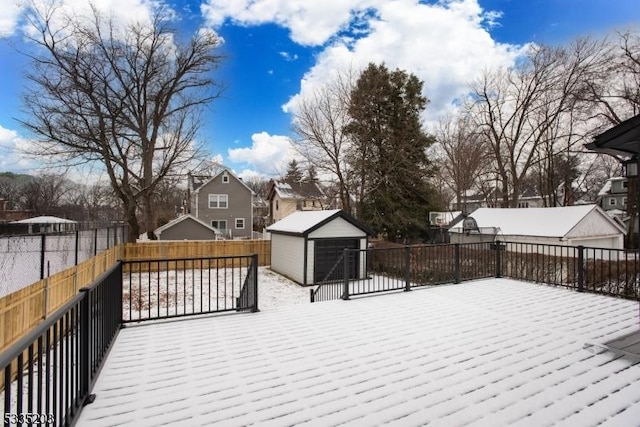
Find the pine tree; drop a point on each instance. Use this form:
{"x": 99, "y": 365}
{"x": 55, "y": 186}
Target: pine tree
{"x": 388, "y": 155}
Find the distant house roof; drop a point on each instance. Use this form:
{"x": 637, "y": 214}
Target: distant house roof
{"x": 45, "y": 220}
{"x": 304, "y": 222}
{"x": 199, "y": 181}
{"x": 538, "y": 222}
{"x": 289, "y": 189}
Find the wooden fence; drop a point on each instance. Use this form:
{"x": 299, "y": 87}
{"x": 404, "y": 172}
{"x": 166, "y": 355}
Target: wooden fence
{"x": 24, "y": 309}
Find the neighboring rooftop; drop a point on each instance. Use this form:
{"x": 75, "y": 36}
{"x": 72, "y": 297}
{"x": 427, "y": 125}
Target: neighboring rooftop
{"x": 487, "y": 352}
{"x": 558, "y": 221}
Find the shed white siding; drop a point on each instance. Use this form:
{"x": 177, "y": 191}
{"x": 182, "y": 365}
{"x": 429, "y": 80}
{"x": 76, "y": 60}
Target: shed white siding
{"x": 287, "y": 256}
{"x": 337, "y": 228}
{"x": 311, "y": 258}
{"x": 593, "y": 225}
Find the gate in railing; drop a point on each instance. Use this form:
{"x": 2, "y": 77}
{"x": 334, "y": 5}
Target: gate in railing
{"x": 404, "y": 268}
{"x": 160, "y": 289}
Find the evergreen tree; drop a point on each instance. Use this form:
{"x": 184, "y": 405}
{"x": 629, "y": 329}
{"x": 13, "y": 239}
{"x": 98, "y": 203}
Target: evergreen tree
{"x": 294, "y": 173}
{"x": 388, "y": 154}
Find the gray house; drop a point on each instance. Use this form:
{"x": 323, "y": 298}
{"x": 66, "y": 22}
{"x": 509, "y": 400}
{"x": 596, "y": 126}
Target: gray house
{"x": 613, "y": 195}
{"x": 223, "y": 202}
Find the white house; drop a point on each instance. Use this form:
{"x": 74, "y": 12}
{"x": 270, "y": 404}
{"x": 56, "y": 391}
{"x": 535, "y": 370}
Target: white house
{"x": 585, "y": 225}
{"x": 307, "y": 246}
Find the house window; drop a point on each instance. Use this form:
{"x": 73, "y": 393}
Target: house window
{"x": 240, "y": 223}
{"x": 225, "y": 178}
{"x": 276, "y": 205}
{"x": 612, "y": 201}
{"x": 624, "y": 184}
{"x": 624, "y": 201}
{"x": 219, "y": 224}
{"x": 218, "y": 201}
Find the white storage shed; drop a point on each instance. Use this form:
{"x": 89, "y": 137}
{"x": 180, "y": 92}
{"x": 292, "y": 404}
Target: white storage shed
{"x": 307, "y": 246}
{"x": 584, "y": 225}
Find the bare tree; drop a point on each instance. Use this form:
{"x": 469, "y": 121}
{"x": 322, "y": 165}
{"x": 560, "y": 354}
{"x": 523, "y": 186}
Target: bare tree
{"x": 526, "y": 112}
{"x": 464, "y": 155}
{"x": 614, "y": 90}
{"x": 128, "y": 99}
{"x": 319, "y": 121}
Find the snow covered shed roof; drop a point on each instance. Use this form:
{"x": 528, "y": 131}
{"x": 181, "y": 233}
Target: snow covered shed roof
{"x": 304, "y": 222}
{"x": 539, "y": 222}
{"x": 45, "y": 220}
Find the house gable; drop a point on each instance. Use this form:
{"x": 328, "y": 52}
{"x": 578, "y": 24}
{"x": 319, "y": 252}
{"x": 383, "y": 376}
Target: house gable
{"x": 595, "y": 223}
{"x": 225, "y": 199}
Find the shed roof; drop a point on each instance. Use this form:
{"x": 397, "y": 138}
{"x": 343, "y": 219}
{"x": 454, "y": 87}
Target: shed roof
{"x": 304, "y": 222}
{"x": 45, "y": 220}
{"x": 539, "y": 222}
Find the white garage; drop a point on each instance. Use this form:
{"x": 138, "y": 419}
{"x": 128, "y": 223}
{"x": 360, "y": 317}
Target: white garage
{"x": 585, "y": 225}
{"x": 307, "y": 246}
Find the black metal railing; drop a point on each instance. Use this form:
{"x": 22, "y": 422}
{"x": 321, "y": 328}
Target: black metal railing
{"x": 607, "y": 271}
{"x": 404, "y": 268}
{"x": 48, "y": 374}
{"x": 160, "y": 289}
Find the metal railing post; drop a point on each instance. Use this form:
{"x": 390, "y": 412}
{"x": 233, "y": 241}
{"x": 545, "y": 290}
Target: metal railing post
{"x": 77, "y": 245}
{"x": 43, "y": 240}
{"x": 254, "y": 268}
{"x": 407, "y": 268}
{"x": 345, "y": 258}
{"x": 85, "y": 344}
{"x": 498, "y": 259}
{"x": 95, "y": 242}
{"x": 580, "y": 268}
{"x": 456, "y": 267}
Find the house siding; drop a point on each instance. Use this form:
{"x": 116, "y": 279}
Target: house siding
{"x": 593, "y": 225}
{"x": 285, "y": 208}
{"x": 287, "y": 256}
{"x": 240, "y": 205}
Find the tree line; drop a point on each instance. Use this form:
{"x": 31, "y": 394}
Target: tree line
{"x": 131, "y": 98}
{"x": 521, "y": 128}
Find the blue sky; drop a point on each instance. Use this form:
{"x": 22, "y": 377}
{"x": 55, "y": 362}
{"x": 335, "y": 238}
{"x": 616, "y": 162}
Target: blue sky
{"x": 277, "y": 51}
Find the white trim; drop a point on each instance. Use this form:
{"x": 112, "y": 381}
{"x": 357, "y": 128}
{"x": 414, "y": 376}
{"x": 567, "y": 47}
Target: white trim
{"x": 244, "y": 223}
{"x": 220, "y": 229}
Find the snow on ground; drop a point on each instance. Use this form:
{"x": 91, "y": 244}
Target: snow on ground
{"x": 167, "y": 293}
{"x": 490, "y": 352}
{"x": 275, "y": 290}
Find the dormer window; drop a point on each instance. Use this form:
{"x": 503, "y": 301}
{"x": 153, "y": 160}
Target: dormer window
{"x": 225, "y": 177}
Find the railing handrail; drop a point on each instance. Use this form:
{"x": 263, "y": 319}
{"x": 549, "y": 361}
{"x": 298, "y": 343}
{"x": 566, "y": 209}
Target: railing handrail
{"x": 133, "y": 261}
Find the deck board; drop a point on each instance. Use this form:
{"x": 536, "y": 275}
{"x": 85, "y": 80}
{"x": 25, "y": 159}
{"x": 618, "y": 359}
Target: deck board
{"x": 489, "y": 352}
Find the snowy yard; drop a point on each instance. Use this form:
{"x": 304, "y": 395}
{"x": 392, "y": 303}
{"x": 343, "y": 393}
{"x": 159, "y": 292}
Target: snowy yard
{"x": 488, "y": 352}
{"x": 167, "y": 293}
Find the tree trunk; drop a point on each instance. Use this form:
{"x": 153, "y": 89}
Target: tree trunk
{"x": 132, "y": 220}
{"x": 149, "y": 216}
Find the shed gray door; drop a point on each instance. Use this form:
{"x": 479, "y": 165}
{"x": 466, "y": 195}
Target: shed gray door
{"x": 327, "y": 252}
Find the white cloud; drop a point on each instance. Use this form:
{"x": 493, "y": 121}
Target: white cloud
{"x": 288, "y": 57}
{"x": 122, "y": 12}
{"x": 12, "y": 152}
{"x": 444, "y": 44}
{"x": 268, "y": 154}
{"x": 310, "y": 22}
{"x": 9, "y": 16}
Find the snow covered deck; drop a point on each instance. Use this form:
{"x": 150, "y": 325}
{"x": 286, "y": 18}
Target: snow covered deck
{"x": 490, "y": 352}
